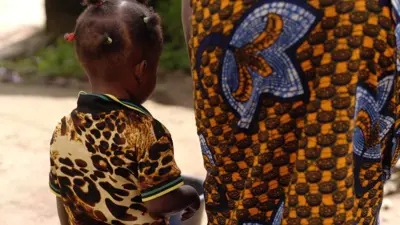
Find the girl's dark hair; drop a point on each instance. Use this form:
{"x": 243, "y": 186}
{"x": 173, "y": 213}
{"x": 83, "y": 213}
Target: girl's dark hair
{"x": 111, "y": 32}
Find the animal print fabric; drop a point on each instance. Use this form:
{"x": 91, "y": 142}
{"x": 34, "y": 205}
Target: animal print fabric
{"x": 107, "y": 158}
{"x": 297, "y": 108}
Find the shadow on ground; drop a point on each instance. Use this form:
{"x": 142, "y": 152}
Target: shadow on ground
{"x": 173, "y": 90}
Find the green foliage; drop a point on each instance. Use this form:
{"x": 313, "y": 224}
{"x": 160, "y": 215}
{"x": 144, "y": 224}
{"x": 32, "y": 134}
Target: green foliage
{"x": 55, "y": 60}
{"x": 175, "y": 55}
{"x": 174, "y": 59}
{"x": 59, "y": 59}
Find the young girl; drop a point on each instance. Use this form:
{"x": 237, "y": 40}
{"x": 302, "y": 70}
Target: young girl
{"x": 111, "y": 161}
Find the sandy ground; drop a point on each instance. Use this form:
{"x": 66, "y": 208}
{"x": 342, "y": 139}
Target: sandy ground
{"x": 28, "y": 115}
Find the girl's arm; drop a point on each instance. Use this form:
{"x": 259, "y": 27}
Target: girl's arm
{"x": 185, "y": 199}
{"x": 62, "y": 214}
{"x": 160, "y": 183}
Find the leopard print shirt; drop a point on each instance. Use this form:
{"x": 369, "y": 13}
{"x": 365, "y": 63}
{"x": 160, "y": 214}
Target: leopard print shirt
{"x": 108, "y": 157}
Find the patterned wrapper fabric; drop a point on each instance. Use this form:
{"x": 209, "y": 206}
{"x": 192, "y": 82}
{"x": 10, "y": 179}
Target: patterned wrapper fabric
{"x": 296, "y": 107}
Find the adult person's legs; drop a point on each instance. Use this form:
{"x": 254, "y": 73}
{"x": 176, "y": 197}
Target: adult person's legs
{"x": 294, "y": 107}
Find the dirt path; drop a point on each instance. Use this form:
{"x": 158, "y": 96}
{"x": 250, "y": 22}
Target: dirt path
{"x": 29, "y": 114}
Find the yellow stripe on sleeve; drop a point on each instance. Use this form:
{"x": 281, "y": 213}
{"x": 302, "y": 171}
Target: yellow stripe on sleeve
{"x": 173, "y": 188}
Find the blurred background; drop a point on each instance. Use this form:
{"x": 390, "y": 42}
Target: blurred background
{"x": 39, "y": 82}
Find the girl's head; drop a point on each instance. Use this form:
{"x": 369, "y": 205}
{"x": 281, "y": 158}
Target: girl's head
{"x": 119, "y": 43}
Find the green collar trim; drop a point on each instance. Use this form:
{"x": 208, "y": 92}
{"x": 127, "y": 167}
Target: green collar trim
{"x": 112, "y": 98}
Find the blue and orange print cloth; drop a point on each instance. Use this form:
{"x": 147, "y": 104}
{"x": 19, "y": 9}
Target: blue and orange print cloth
{"x": 297, "y": 108}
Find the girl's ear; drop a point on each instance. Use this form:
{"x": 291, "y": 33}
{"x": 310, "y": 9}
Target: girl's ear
{"x": 143, "y": 67}
{"x": 140, "y": 71}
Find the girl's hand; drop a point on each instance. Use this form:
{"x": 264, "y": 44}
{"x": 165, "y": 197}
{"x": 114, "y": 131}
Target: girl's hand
{"x": 183, "y": 200}
{"x": 191, "y": 210}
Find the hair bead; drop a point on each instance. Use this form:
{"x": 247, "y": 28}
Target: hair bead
{"x": 107, "y": 39}
{"x": 152, "y": 20}
{"x": 97, "y": 3}
{"x": 70, "y": 37}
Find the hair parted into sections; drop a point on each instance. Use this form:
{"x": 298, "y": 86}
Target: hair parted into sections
{"x": 112, "y": 32}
